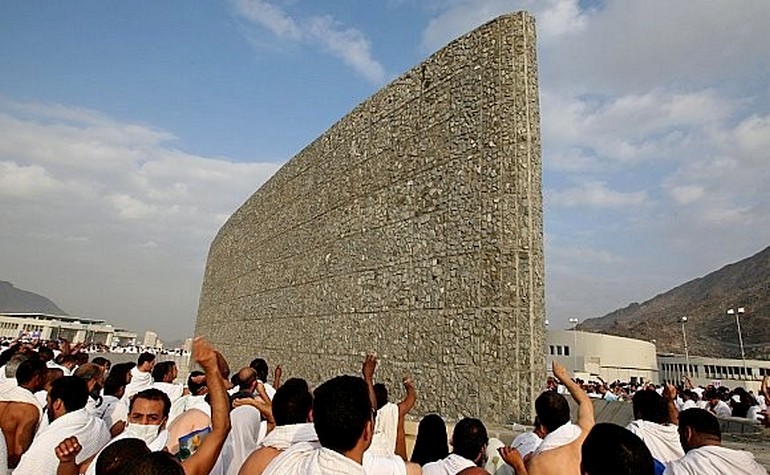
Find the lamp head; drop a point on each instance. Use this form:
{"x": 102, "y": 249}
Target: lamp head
{"x": 684, "y": 319}
{"x": 730, "y": 311}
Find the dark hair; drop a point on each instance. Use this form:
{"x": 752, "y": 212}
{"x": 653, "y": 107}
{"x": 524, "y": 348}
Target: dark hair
{"x": 650, "y": 406}
{"x": 122, "y": 370}
{"x": 161, "y": 369}
{"x": 260, "y": 366}
{"x": 63, "y": 359}
{"x": 30, "y": 368}
{"x": 114, "y": 383}
{"x": 341, "y": 410}
{"x": 71, "y": 390}
{"x": 102, "y": 361}
{"x": 154, "y": 463}
{"x": 192, "y": 385}
{"x": 152, "y": 394}
{"x": 700, "y": 421}
{"x": 552, "y": 409}
{"x": 144, "y": 358}
{"x": 469, "y": 438}
{"x": 89, "y": 371}
{"x": 431, "y": 442}
{"x": 610, "y": 449}
{"x": 292, "y": 402}
{"x": 81, "y": 358}
{"x": 381, "y": 394}
{"x": 45, "y": 353}
{"x": 120, "y": 454}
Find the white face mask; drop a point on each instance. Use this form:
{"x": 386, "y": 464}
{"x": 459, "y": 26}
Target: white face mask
{"x": 145, "y": 432}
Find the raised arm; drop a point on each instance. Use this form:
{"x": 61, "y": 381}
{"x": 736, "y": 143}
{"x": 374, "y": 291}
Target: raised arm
{"x": 585, "y": 406}
{"x": 370, "y": 364}
{"x": 410, "y": 398}
{"x": 277, "y": 374}
{"x": 203, "y": 460}
{"x": 669, "y": 394}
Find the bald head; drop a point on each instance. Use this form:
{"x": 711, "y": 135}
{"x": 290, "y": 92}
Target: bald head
{"x": 247, "y": 379}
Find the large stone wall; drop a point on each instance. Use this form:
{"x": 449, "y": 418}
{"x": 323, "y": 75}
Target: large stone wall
{"x": 413, "y": 228}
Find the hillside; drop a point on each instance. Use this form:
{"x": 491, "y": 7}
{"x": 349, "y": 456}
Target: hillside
{"x": 13, "y": 300}
{"x": 704, "y": 301}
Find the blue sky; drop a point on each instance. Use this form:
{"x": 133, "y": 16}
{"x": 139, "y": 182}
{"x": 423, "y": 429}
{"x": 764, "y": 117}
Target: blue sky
{"x": 129, "y": 131}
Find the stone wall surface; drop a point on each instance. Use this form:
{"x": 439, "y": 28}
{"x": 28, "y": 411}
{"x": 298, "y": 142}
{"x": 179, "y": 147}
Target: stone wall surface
{"x": 413, "y": 228}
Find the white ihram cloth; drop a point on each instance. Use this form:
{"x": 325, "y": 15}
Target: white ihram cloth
{"x": 240, "y": 442}
{"x": 447, "y": 466}
{"x": 186, "y": 403}
{"x": 566, "y": 434}
{"x": 40, "y": 458}
{"x": 305, "y": 459}
{"x": 495, "y": 463}
{"x": 715, "y": 460}
{"x": 139, "y": 382}
{"x": 3, "y": 455}
{"x": 111, "y": 410}
{"x": 10, "y": 392}
{"x": 381, "y": 458}
{"x": 283, "y": 437}
{"x": 526, "y": 443}
{"x": 173, "y": 391}
{"x": 661, "y": 439}
{"x": 156, "y": 445}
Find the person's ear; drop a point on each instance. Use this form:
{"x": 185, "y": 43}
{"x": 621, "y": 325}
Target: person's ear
{"x": 369, "y": 431}
{"x": 310, "y": 416}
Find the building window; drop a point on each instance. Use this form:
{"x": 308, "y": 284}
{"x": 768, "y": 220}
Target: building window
{"x": 566, "y": 351}
{"x": 558, "y": 350}
{"x": 551, "y": 348}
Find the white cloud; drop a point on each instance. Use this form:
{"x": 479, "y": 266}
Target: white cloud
{"x": 116, "y": 205}
{"x": 687, "y": 194}
{"x": 595, "y": 194}
{"x": 348, "y": 44}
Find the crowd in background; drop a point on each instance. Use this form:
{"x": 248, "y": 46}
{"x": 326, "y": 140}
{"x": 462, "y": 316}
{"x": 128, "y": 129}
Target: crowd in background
{"x": 65, "y": 413}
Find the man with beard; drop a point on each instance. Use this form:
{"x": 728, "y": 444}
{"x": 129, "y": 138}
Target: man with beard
{"x": 93, "y": 375}
{"x": 68, "y": 418}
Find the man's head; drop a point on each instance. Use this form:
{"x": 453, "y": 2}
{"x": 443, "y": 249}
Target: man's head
{"x": 103, "y": 362}
{"x": 552, "y": 410}
{"x": 650, "y": 406}
{"x": 51, "y": 375}
{"x": 67, "y": 394}
{"x": 146, "y": 362}
{"x": 196, "y": 383}
{"x": 93, "y": 375}
{"x": 119, "y": 454}
{"x": 31, "y": 374}
{"x": 260, "y": 366}
{"x": 164, "y": 372}
{"x": 292, "y": 403}
{"x": 698, "y": 427}
{"x": 246, "y": 379}
{"x": 122, "y": 371}
{"x": 13, "y": 364}
{"x": 154, "y": 463}
{"x": 115, "y": 385}
{"x": 610, "y": 449}
{"x": 469, "y": 440}
{"x": 149, "y": 407}
{"x": 67, "y": 361}
{"x": 381, "y": 394}
{"x": 45, "y": 353}
{"x": 343, "y": 414}
{"x": 80, "y": 358}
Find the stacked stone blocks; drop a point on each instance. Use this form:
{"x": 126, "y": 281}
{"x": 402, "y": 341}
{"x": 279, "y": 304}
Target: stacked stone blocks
{"x": 413, "y": 228}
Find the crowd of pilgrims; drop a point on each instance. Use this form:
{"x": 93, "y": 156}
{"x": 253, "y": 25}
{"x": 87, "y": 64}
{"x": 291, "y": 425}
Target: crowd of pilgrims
{"x": 63, "y": 414}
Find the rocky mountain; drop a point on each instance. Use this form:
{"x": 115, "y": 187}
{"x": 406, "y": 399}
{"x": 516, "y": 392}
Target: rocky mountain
{"x": 704, "y": 301}
{"x": 13, "y": 300}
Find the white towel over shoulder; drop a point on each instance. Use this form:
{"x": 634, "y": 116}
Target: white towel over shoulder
{"x": 447, "y": 466}
{"x": 661, "y": 439}
{"x": 304, "y": 459}
{"x": 92, "y": 434}
{"x": 564, "y": 435}
{"x": 715, "y": 460}
{"x": 283, "y": 437}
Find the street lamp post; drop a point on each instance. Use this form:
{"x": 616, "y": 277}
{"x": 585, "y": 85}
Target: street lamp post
{"x": 686, "y": 350}
{"x": 574, "y": 322}
{"x": 738, "y": 313}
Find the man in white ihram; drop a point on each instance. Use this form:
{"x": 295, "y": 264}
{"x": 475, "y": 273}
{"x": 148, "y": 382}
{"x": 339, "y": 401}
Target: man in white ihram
{"x": 702, "y": 441}
{"x": 66, "y": 412}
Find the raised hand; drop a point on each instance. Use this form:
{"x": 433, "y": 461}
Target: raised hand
{"x": 68, "y": 449}
{"x": 370, "y": 364}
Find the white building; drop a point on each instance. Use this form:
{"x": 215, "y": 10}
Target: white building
{"x": 46, "y": 326}
{"x": 704, "y": 371}
{"x": 150, "y": 339}
{"x": 588, "y": 355}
